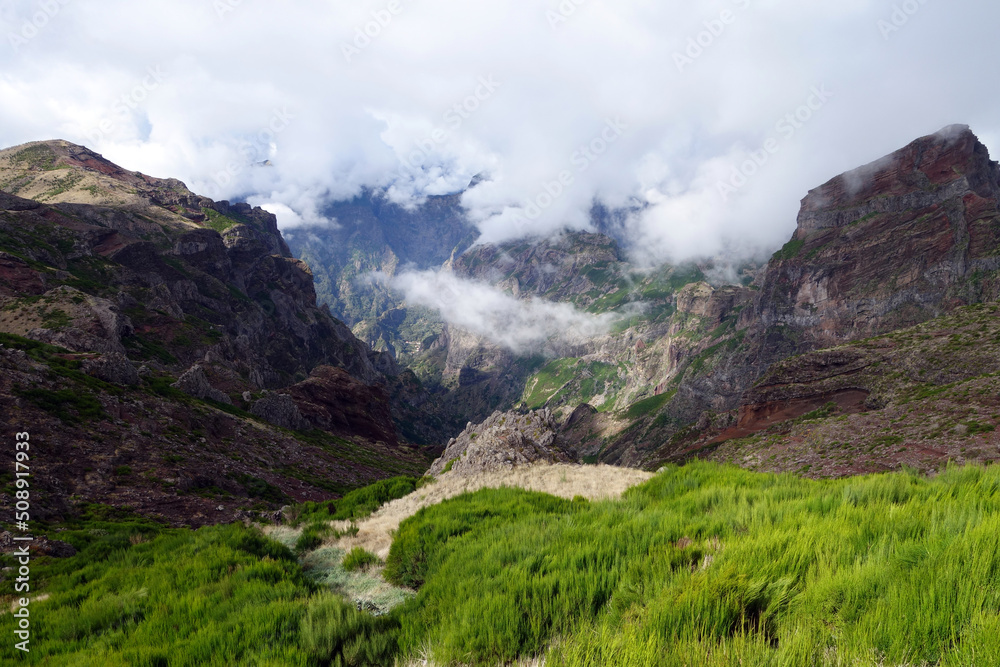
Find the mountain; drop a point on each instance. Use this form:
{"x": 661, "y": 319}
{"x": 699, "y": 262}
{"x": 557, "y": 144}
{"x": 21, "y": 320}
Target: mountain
{"x": 372, "y": 234}
{"x": 905, "y": 239}
{"x": 167, "y": 351}
{"x": 889, "y": 245}
{"x": 170, "y": 354}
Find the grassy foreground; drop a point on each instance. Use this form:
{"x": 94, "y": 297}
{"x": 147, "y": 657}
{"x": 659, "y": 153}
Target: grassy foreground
{"x": 702, "y": 565}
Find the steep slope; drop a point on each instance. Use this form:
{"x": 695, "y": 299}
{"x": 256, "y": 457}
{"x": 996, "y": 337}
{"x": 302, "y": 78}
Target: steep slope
{"x": 659, "y": 319}
{"x": 372, "y": 234}
{"x": 888, "y": 245}
{"x": 916, "y": 397}
{"x": 891, "y": 244}
{"x": 180, "y": 339}
{"x": 907, "y": 238}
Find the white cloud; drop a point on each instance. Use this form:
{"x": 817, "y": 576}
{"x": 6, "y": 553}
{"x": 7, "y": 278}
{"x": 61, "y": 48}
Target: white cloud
{"x": 269, "y": 81}
{"x": 522, "y": 326}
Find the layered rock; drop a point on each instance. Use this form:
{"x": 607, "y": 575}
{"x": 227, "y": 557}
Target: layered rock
{"x": 164, "y": 307}
{"x": 896, "y": 242}
{"x": 337, "y": 402}
{"x": 123, "y": 257}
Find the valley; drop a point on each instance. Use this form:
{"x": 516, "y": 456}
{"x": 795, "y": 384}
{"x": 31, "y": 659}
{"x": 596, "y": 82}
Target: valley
{"x": 249, "y": 450}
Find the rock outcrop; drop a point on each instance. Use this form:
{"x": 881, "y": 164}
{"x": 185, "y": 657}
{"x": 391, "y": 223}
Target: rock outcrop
{"x": 280, "y": 410}
{"x": 900, "y": 241}
{"x": 904, "y": 239}
{"x": 337, "y": 402}
{"x": 119, "y": 292}
{"x": 194, "y": 382}
{"x": 506, "y": 440}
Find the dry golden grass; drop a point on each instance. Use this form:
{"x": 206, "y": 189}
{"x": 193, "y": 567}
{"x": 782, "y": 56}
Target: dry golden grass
{"x": 563, "y": 480}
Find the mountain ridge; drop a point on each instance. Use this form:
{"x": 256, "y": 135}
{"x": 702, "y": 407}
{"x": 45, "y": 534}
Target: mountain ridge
{"x": 153, "y": 331}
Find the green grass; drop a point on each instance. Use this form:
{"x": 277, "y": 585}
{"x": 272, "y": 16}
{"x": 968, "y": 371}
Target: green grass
{"x": 648, "y": 405}
{"x": 138, "y": 593}
{"x": 707, "y": 565}
{"x": 548, "y": 380}
{"x": 356, "y": 504}
{"x": 790, "y": 250}
{"x": 359, "y": 559}
{"x": 573, "y": 381}
{"x": 702, "y": 565}
{"x": 217, "y": 221}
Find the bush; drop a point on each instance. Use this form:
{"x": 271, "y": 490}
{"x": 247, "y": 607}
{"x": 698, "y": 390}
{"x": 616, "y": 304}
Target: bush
{"x": 358, "y": 559}
{"x": 333, "y": 632}
{"x": 357, "y": 504}
{"x": 312, "y": 536}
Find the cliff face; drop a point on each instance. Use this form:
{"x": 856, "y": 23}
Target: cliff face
{"x": 661, "y": 323}
{"x": 890, "y": 244}
{"x": 162, "y": 297}
{"x": 905, "y": 239}
{"x": 908, "y": 238}
{"x": 211, "y": 281}
{"x": 372, "y": 234}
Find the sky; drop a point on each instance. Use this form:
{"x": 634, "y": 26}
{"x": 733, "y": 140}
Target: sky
{"x": 709, "y": 119}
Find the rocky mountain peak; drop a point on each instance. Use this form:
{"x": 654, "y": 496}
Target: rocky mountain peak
{"x": 61, "y": 173}
{"x": 928, "y": 172}
{"x": 891, "y": 244}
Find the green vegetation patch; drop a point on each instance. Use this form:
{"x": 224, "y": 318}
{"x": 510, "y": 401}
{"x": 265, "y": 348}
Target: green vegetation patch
{"x": 359, "y": 559}
{"x": 218, "y": 221}
{"x": 138, "y": 593}
{"x": 549, "y": 380}
{"x": 572, "y": 380}
{"x": 648, "y": 405}
{"x": 39, "y": 156}
{"x": 357, "y": 504}
{"x": 790, "y": 250}
{"x": 258, "y": 488}
{"x": 69, "y": 405}
{"x": 702, "y": 565}
{"x": 711, "y": 565}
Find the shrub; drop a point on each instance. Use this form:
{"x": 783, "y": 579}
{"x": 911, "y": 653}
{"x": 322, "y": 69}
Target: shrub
{"x": 333, "y": 632}
{"x": 357, "y": 504}
{"x": 312, "y": 536}
{"x": 358, "y": 559}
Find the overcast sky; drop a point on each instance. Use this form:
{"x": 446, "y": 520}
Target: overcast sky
{"x": 648, "y": 101}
